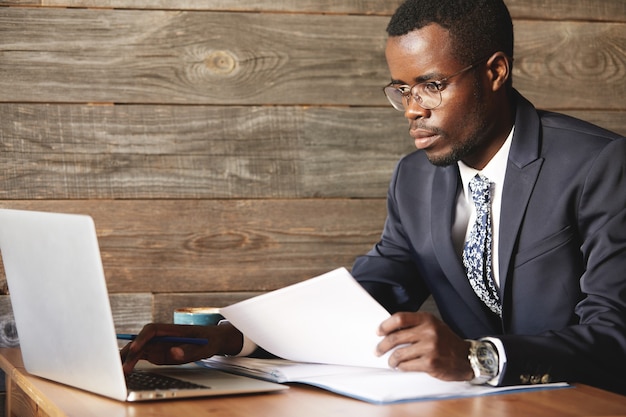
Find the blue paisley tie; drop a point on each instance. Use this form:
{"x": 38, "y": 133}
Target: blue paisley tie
{"x": 477, "y": 257}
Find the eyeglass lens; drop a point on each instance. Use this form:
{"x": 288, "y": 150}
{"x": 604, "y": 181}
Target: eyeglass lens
{"x": 425, "y": 95}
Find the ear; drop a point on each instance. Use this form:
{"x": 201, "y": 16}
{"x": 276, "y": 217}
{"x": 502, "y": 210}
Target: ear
{"x": 499, "y": 70}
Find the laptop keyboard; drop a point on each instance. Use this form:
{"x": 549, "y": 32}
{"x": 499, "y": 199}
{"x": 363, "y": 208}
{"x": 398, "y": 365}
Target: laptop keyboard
{"x": 147, "y": 381}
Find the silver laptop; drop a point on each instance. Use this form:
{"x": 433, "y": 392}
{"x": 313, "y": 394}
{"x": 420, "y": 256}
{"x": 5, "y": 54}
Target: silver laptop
{"x": 63, "y": 316}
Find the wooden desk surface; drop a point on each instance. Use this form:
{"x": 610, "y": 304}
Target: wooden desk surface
{"x": 31, "y": 396}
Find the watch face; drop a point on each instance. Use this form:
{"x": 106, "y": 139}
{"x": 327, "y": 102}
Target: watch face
{"x": 487, "y": 359}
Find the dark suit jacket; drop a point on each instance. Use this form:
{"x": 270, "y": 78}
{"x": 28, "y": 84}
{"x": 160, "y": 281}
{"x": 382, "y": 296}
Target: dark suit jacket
{"x": 562, "y": 251}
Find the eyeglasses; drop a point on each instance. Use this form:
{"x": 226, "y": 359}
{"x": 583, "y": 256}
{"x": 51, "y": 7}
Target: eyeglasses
{"x": 427, "y": 95}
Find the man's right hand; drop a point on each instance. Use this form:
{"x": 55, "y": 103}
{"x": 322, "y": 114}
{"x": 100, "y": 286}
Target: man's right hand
{"x": 224, "y": 339}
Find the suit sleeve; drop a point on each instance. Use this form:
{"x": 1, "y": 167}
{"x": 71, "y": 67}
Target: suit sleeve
{"x": 388, "y": 271}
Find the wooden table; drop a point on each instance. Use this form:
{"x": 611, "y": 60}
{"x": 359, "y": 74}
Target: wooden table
{"x": 28, "y": 395}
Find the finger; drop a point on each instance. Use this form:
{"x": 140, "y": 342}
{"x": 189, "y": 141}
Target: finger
{"x": 130, "y": 358}
{"x": 124, "y": 352}
{"x": 145, "y": 335}
{"x": 177, "y": 353}
{"x": 410, "y": 357}
{"x": 402, "y": 320}
{"x": 126, "y": 365}
{"x": 136, "y": 350}
{"x": 430, "y": 363}
{"x": 389, "y": 325}
{"x": 396, "y": 339}
{"x": 186, "y": 353}
{"x": 129, "y": 363}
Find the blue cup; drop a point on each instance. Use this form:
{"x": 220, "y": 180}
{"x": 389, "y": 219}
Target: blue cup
{"x": 200, "y": 316}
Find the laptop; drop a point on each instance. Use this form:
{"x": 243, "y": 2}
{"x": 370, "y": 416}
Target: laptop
{"x": 63, "y": 316}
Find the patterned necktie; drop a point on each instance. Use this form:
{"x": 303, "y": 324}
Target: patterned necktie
{"x": 477, "y": 251}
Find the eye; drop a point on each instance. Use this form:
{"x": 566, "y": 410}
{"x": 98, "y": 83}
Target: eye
{"x": 405, "y": 90}
{"x": 433, "y": 87}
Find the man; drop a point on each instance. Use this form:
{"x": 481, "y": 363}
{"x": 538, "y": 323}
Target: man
{"x": 531, "y": 280}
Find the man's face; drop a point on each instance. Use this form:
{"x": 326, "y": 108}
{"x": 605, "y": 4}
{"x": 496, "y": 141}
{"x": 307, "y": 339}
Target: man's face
{"x": 459, "y": 128}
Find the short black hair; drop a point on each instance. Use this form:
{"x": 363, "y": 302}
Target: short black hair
{"x": 478, "y": 28}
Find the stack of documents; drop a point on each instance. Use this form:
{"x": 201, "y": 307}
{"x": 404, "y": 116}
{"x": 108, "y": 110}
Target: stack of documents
{"x": 324, "y": 329}
{"x": 374, "y": 385}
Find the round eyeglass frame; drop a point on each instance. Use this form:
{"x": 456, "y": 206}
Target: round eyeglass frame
{"x": 400, "y": 99}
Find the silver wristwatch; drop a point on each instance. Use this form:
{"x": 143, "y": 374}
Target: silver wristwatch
{"x": 483, "y": 357}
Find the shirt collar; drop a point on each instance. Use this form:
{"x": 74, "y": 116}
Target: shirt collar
{"x": 494, "y": 170}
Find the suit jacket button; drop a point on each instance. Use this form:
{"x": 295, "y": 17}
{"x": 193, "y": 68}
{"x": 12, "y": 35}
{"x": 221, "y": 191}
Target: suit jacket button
{"x": 524, "y": 379}
{"x": 535, "y": 379}
{"x": 545, "y": 379}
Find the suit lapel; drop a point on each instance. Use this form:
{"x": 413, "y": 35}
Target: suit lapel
{"x": 519, "y": 183}
{"x": 523, "y": 168}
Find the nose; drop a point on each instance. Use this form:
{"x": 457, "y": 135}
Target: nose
{"x": 414, "y": 111}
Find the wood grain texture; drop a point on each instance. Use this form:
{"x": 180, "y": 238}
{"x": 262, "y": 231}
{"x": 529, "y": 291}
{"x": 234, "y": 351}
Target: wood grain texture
{"x": 131, "y": 311}
{"x": 129, "y": 56}
{"x": 556, "y": 68}
{"x": 582, "y": 10}
{"x": 595, "y": 10}
{"x": 164, "y": 246}
{"x": 139, "y": 56}
{"x": 91, "y": 152}
{"x": 294, "y": 6}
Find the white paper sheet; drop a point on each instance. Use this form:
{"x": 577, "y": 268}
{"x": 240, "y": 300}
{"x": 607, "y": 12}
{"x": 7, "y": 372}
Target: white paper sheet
{"x": 328, "y": 319}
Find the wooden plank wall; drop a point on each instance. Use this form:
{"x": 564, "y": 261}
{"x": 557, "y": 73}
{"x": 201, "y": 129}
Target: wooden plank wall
{"x": 227, "y": 148}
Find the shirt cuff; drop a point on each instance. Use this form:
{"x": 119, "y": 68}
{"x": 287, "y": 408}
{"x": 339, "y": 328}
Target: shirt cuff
{"x": 495, "y": 381}
{"x": 248, "y": 345}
